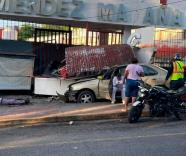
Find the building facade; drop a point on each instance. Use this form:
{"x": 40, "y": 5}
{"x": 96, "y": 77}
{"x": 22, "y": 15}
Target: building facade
{"x": 99, "y": 22}
{"x": 98, "y": 14}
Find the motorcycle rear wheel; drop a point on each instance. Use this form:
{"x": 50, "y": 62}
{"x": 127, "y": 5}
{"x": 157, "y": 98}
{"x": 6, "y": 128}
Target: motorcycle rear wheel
{"x": 180, "y": 115}
{"x": 134, "y": 114}
{"x": 180, "y": 112}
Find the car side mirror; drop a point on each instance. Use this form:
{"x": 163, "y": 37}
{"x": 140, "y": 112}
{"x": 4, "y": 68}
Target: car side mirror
{"x": 100, "y": 77}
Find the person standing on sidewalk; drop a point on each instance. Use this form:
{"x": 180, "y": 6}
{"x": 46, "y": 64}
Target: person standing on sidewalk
{"x": 132, "y": 74}
{"x": 175, "y": 73}
{"x": 118, "y": 85}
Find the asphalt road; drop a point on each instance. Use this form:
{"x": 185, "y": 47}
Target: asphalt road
{"x": 96, "y": 138}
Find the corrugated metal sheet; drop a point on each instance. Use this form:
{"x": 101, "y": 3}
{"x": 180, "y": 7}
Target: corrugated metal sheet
{"x": 85, "y": 58}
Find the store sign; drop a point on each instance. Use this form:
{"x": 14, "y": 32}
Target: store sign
{"x": 78, "y": 9}
{"x": 162, "y": 16}
{"x": 63, "y": 8}
{"x": 111, "y": 12}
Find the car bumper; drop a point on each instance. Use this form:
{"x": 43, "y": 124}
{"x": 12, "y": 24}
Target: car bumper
{"x": 71, "y": 95}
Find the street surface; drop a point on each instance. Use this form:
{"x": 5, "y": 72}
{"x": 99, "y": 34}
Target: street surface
{"x": 149, "y": 137}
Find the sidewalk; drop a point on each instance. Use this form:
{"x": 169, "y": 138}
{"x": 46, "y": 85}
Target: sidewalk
{"x": 45, "y": 110}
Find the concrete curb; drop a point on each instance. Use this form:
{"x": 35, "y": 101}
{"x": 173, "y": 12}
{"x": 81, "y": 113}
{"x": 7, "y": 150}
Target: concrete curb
{"x": 64, "y": 119}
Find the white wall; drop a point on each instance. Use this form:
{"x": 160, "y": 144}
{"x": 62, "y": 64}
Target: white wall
{"x": 144, "y": 55}
{"x": 147, "y": 35}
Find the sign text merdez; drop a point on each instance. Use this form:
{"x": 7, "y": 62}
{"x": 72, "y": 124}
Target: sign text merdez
{"x": 62, "y": 8}
{"x": 77, "y": 9}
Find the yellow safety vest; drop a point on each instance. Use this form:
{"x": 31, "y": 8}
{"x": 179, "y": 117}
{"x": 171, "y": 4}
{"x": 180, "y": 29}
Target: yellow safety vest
{"x": 178, "y": 70}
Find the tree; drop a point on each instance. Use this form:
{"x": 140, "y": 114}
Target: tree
{"x": 25, "y": 32}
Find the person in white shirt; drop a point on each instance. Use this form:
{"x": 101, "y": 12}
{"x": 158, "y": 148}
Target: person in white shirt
{"x": 117, "y": 85}
{"x": 133, "y": 72}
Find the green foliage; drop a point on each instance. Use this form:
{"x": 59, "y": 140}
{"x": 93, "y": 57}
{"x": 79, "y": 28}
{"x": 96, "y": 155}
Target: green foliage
{"x": 25, "y": 32}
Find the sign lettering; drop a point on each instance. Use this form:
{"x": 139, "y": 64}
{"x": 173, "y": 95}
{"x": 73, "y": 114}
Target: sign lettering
{"x": 107, "y": 12}
{"x": 63, "y": 8}
{"x": 122, "y": 14}
{"x": 77, "y": 12}
{"x": 4, "y": 5}
{"x": 48, "y": 7}
{"x": 163, "y": 16}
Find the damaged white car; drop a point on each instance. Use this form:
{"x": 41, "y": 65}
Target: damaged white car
{"x": 92, "y": 89}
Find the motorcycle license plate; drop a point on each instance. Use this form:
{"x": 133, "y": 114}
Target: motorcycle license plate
{"x": 136, "y": 103}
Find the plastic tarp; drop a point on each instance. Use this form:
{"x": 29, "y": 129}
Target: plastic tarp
{"x": 16, "y": 72}
{"x": 15, "y": 83}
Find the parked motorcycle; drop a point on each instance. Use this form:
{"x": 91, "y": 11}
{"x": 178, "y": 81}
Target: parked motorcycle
{"x": 161, "y": 101}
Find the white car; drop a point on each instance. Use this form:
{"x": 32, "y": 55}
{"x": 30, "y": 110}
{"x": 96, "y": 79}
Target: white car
{"x": 92, "y": 89}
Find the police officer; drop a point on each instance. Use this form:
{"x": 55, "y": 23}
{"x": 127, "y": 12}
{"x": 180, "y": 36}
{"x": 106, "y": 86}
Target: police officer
{"x": 176, "y": 72}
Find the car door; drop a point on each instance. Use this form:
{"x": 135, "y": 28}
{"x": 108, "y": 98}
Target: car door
{"x": 103, "y": 85}
{"x": 120, "y": 69}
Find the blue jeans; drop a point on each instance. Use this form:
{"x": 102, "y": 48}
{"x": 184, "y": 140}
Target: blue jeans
{"x": 175, "y": 84}
{"x": 132, "y": 88}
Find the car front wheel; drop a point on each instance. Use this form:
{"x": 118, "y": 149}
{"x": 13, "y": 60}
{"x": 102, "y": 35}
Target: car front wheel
{"x": 86, "y": 97}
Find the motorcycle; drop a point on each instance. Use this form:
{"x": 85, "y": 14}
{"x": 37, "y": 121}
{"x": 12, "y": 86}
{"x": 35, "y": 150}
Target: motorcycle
{"x": 161, "y": 101}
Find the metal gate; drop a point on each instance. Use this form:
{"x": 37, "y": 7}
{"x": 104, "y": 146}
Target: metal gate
{"x": 98, "y": 38}
{"x": 167, "y": 43}
{"x": 49, "y": 48}
{"x": 53, "y": 36}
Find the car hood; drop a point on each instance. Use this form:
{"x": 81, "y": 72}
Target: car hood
{"x": 84, "y": 80}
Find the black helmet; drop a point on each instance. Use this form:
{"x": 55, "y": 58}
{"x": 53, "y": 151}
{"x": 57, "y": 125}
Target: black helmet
{"x": 177, "y": 56}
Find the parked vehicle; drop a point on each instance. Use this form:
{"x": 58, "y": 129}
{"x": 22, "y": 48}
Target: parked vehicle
{"x": 91, "y": 89}
{"x": 160, "y": 100}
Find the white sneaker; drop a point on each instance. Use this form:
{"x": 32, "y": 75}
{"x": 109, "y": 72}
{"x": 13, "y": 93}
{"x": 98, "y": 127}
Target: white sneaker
{"x": 112, "y": 102}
